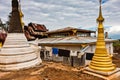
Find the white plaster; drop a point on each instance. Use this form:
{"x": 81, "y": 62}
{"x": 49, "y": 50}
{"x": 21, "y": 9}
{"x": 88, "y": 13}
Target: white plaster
{"x": 17, "y": 50}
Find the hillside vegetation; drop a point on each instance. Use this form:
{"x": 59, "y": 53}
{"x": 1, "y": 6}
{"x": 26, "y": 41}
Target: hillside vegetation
{"x": 116, "y": 46}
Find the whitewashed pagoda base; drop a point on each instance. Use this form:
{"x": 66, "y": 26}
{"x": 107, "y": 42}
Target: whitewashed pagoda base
{"x": 17, "y": 54}
{"x": 113, "y": 75}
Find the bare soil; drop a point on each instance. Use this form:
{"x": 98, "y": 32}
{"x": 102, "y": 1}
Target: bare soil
{"x": 52, "y": 71}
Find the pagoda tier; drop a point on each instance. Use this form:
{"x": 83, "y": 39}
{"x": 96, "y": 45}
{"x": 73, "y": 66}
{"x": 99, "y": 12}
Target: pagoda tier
{"x": 16, "y": 53}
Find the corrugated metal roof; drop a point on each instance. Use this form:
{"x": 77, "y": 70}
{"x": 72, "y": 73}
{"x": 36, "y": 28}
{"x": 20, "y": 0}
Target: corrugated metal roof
{"x": 69, "y": 40}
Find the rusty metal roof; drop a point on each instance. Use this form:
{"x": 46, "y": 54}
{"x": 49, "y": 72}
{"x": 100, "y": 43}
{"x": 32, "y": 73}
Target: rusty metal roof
{"x": 69, "y": 29}
{"x": 38, "y": 27}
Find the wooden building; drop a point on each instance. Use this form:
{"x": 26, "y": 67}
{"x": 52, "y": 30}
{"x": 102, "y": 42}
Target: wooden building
{"x": 70, "y": 31}
{"x": 76, "y": 40}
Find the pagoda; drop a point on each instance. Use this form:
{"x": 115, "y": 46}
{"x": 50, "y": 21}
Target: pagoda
{"x": 102, "y": 60}
{"x": 16, "y": 53}
{"x": 101, "y": 64}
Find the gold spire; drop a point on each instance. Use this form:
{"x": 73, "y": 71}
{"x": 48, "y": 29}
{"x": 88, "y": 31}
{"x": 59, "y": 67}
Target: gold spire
{"x": 21, "y": 14}
{"x": 100, "y": 18}
{"x": 101, "y": 60}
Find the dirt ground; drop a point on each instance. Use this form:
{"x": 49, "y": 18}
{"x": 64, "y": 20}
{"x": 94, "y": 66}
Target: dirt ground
{"x": 52, "y": 71}
{"x": 116, "y": 60}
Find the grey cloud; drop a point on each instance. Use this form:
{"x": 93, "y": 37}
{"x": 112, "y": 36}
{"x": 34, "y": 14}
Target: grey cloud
{"x": 63, "y": 13}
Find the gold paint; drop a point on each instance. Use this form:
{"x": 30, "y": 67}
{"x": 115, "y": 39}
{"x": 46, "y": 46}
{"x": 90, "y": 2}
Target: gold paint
{"x": 74, "y": 32}
{"x": 21, "y": 15}
{"x": 1, "y": 44}
{"x": 101, "y": 60}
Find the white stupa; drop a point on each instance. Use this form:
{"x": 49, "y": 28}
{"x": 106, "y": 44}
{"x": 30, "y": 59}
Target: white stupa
{"x": 16, "y": 53}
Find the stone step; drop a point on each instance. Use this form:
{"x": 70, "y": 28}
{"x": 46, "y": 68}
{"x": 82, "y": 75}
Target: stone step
{"x": 12, "y": 59}
{"x": 16, "y": 51}
{"x": 18, "y": 66}
{"x": 17, "y": 54}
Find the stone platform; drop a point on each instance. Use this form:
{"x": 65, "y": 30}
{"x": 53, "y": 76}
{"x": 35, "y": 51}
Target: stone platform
{"x": 17, "y": 54}
{"x": 113, "y": 75}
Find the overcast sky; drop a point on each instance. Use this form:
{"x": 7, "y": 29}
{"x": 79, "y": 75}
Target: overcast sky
{"x": 55, "y": 14}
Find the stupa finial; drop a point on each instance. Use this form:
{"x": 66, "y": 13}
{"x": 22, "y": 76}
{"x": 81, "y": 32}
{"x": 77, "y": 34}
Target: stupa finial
{"x": 100, "y": 17}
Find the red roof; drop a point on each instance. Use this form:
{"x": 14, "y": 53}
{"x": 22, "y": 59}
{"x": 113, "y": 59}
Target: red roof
{"x": 40, "y": 27}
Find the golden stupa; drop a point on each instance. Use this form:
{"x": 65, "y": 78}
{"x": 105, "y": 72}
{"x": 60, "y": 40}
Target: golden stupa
{"x": 102, "y": 60}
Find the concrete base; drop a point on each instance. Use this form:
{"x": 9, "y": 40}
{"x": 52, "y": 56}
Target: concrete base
{"x": 17, "y": 54}
{"x": 113, "y": 75}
